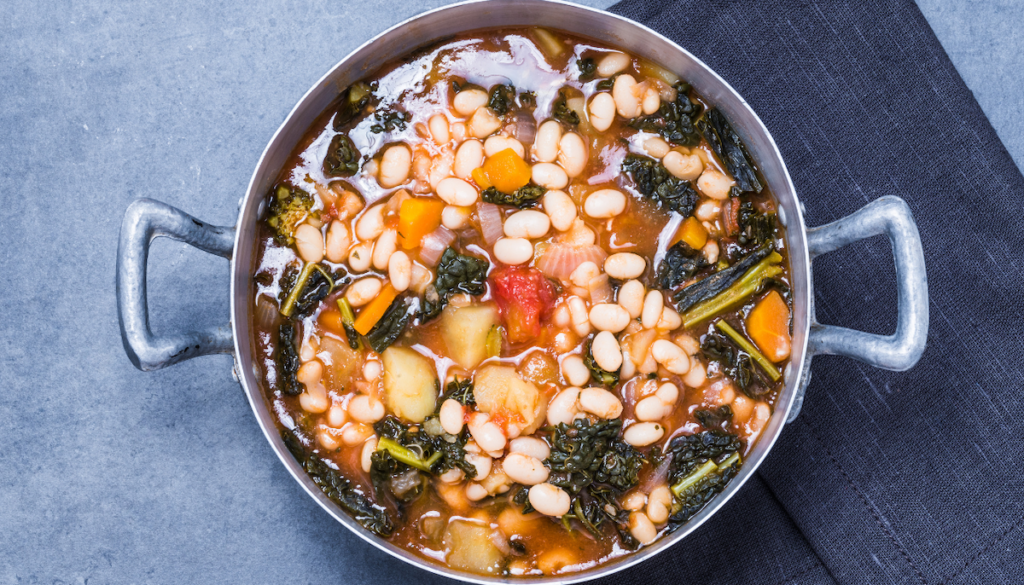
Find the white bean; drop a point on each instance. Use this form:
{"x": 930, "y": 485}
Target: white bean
{"x": 454, "y": 217}
{"x": 580, "y": 318}
{"x": 564, "y": 406}
{"x": 560, "y": 208}
{"x": 654, "y": 304}
{"x": 458, "y": 130}
{"x": 609, "y": 317}
{"x": 697, "y": 375}
{"x": 482, "y": 463}
{"x": 452, "y": 416}
{"x": 310, "y": 243}
{"x": 486, "y": 434}
{"x": 613, "y": 63}
{"x": 628, "y": 369}
{"x": 360, "y": 256}
{"x": 453, "y": 475}
{"x": 641, "y": 527}
{"x": 688, "y": 344}
{"x": 310, "y": 372}
{"x": 328, "y": 439}
{"x": 366, "y": 457}
{"x": 627, "y": 103}
{"x": 651, "y": 101}
{"x": 528, "y": 224}
{"x": 545, "y": 143}
{"x": 710, "y": 251}
{"x": 715, "y": 184}
{"x": 385, "y": 246}
{"x": 314, "y": 399}
{"x": 549, "y": 176}
{"x": 456, "y": 191}
{"x": 468, "y": 100}
{"x": 395, "y": 166}
{"x": 549, "y": 500}
{"x": 475, "y": 492}
{"x": 438, "y": 125}
{"x": 524, "y": 469}
{"x": 651, "y": 409}
{"x": 600, "y": 402}
{"x": 707, "y": 210}
{"x": 572, "y": 154}
{"x": 634, "y": 501}
{"x": 668, "y": 393}
{"x": 531, "y": 446}
{"x": 496, "y": 144}
{"x": 421, "y": 278}
{"x": 400, "y": 271}
{"x": 355, "y": 433}
{"x": 625, "y": 265}
{"x": 670, "y": 320}
{"x": 602, "y": 111}
{"x": 371, "y": 224}
{"x": 606, "y": 351}
{"x": 484, "y": 123}
{"x": 656, "y": 146}
{"x": 631, "y": 298}
{"x": 671, "y": 356}
{"x": 337, "y": 416}
{"x": 604, "y": 203}
{"x": 513, "y": 251}
{"x": 584, "y": 273}
{"x": 685, "y": 167}
{"x": 469, "y": 156}
{"x": 363, "y": 291}
{"x": 338, "y": 241}
{"x": 365, "y": 409}
{"x": 659, "y": 504}
{"x": 643, "y": 434}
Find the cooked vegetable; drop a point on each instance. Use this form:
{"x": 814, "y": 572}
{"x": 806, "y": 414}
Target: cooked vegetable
{"x": 466, "y": 331}
{"x": 723, "y": 289}
{"x": 692, "y": 233}
{"x": 603, "y": 377}
{"x": 354, "y": 102}
{"x": 549, "y": 43}
{"x": 674, "y": 120}
{"x": 695, "y": 475}
{"x": 340, "y": 490}
{"x": 561, "y": 111}
{"x": 342, "y": 158}
{"x": 768, "y": 326}
{"x": 500, "y": 389}
{"x": 287, "y": 361}
{"x": 340, "y": 366}
{"x": 729, "y": 148}
{"x": 584, "y": 453}
{"x": 410, "y": 384}
{"x": 460, "y": 391}
{"x": 389, "y": 120}
{"x": 523, "y": 295}
{"x": 456, "y": 273}
{"x": 405, "y": 455}
{"x": 348, "y": 320}
{"x": 716, "y": 418}
{"x": 654, "y": 181}
{"x": 681, "y": 262}
{"x": 480, "y": 178}
{"x": 502, "y": 98}
{"x": 735, "y": 364}
{"x": 470, "y": 546}
{"x": 748, "y": 347}
{"x": 507, "y": 171}
{"x": 289, "y": 207}
{"x": 494, "y": 341}
{"x": 523, "y": 197}
{"x": 311, "y": 286}
{"x": 374, "y": 311}
{"x": 390, "y": 326}
{"x": 417, "y": 217}
{"x": 587, "y": 69}
{"x": 754, "y": 228}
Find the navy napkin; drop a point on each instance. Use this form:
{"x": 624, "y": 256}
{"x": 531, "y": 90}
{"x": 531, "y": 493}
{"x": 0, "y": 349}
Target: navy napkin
{"x": 885, "y": 477}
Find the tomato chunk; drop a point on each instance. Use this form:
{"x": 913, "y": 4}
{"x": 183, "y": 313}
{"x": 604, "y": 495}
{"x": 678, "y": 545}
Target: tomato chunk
{"x": 523, "y": 296}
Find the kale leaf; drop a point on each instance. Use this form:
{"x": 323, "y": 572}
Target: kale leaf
{"x": 354, "y": 101}
{"x": 755, "y": 228}
{"x": 456, "y": 273}
{"x": 390, "y": 326}
{"x": 715, "y": 418}
{"x": 288, "y": 360}
{"x": 502, "y": 98}
{"x": 729, "y": 148}
{"x": 702, "y": 465}
{"x": 654, "y": 181}
{"x": 603, "y": 377}
{"x": 389, "y": 121}
{"x": 707, "y": 288}
{"x": 680, "y": 263}
{"x": 674, "y": 120}
{"x": 583, "y": 454}
{"x": 460, "y": 391}
{"x": 561, "y": 111}
{"x": 342, "y": 159}
{"x": 587, "y": 68}
{"x": 288, "y": 207}
{"x": 525, "y": 196}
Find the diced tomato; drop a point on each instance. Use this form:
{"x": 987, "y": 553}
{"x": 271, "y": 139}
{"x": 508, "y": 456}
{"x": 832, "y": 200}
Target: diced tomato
{"x": 523, "y": 296}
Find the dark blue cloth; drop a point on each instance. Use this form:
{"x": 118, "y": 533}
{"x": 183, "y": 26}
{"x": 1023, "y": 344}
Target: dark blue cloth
{"x": 885, "y": 477}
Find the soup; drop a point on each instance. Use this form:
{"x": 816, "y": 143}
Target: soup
{"x": 521, "y": 303}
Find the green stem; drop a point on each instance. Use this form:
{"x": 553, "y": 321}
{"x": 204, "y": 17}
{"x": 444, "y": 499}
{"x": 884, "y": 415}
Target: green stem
{"x": 691, "y": 480}
{"x": 405, "y": 455}
{"x": 748, "y": 347}
{"x": 288, "y": 307}
{"x": 735, "y": 294}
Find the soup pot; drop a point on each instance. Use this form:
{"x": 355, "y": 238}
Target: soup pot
{"x": 146, "y": 219}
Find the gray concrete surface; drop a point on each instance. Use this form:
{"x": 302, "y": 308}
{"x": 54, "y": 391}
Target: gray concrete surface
{"x": 110, "y": 475}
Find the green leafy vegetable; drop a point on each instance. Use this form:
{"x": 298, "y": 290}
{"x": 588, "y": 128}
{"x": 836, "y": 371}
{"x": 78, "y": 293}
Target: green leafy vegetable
{"x": 313, "y": 283}
{"x": 715, "y": 418}
{"x": 755, "y": 228}
{"x": 729, "y": 148}
{"x": 405, "y": 452}
{"x": 456, "y": 273}
{"x": 681, "y": 262}
{"x": 603, "y": 377}
{"x": 289, "y": 207}
{"x": 719, "y": 282}
{"x": 674, "y": 120}
{"x": 460, "y": 391}
{"x": 748, "y": 347}
{"x": 502, "y": 98}
{"x": 654, "y": 181}
{"x": 525, "y": 196}
{"x": 702, "y": 465}
{"x": 348, "y": 319}
{"x": 389, "y": 120}
{"x": 390, "y": 326}
{"x": 342, "y": 159}
{"x": 354, "y": 101}
{"x": 735, "y": 364}
{"x": 561, "y": 111}
{"x": 736, "y": 293}
{"x": 587, "y": 68}
{"x": 584, "y": 453}
{"x": 287, "y": 361}
{"x": 606, "y": 84}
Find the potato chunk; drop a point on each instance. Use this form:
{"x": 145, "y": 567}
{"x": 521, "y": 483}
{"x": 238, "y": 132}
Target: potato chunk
{"x": 465, "y": 331}
{"x": 410, "y": 384}
{"x": 470, "y": 546}
{"x": 499, "y": 389}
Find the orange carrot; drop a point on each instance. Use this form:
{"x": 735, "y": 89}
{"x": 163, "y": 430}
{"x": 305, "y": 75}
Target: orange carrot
{"x": 768, "y": 326}
{"x": 507, "y": 171}
{"x": 417, "y": 217}
{"x": 693, "y": 233}
{"x": 372, "y": 313}
{"x": 480, "y": 178}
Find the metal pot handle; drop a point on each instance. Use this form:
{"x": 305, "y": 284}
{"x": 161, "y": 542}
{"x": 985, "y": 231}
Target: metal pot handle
{"x": 145, "y": 220}
{"x": 900, "y": 351}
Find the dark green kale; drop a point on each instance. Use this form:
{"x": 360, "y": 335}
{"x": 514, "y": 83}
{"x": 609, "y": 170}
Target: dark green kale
{"x": 460, "y": 391}
{"x": 587, "y": 68}
{"x": 583, "y": 454}
{"x": 456, "y": 273}
{"x": 340, "y": 490}
{"x": 654, "y": 182}
{"x": 702, "y": 465}
{"x": 561, "y": 111}
{"x": 287, "y": 361}
{"x": 502, "y": 99}
{"x": 715, "y": 418}
{"x": 308, "y": 288}
{"x": 527, "y": 100}
{"x": 288, "y": 207}
{"x": 674, "y": 120}
{"x": 736, "y": 364}
{"x": 707, "y": 288}
{"x": 755, "y": 228}
{"x": 342, "y": 159}
{"x": 406, "y": 455}
{"x": 729, "y": 148}
{"x": 389, "y": 121}
{"x": 603, "y": 377}
{"x": 525, "y": 196}
{"x": 680, "y": 263}
{"x": 390, "y": 326}
{"x": 606, "y": 84}
{"x": 354, "y": 101}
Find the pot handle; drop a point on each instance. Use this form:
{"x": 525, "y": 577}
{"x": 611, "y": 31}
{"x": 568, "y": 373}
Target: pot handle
{"x": 145, "y": 220}
{"x": 889, "y": 215}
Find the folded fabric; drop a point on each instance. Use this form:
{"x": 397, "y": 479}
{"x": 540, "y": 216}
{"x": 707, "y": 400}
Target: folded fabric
{"x": 885, "y": 477}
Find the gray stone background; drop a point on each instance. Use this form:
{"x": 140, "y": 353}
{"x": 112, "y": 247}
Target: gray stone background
{"x": 110, "y": 475}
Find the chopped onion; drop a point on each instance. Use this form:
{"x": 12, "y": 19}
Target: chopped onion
{"x": 524, "y": 129}
{"x": 267, "y": 315}
{"x": 600, "y": 290}
{"x": 559, "y": 260}
{"x": 434, "y": 244}
{"x": 657, "y": 477}
{"x": 490, "y": 222}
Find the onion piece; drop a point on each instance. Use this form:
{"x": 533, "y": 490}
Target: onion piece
{"x": 600, "y": 290}
{"x": 560, "y": 260}
{"x": 434, "y": 244}
{"x": 656, "y": 477}
{"x": 490, "y": 222}
{"x": 524, "y": 129}
{"x": 267, "y": 315}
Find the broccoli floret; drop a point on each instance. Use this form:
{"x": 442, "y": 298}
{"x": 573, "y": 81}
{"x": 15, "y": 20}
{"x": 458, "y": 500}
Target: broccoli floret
{"x": 456, "y": 273}
{"x": 654, "y": 182}
{"x": 289, "y": 206}
{"x": 525, "y": 196}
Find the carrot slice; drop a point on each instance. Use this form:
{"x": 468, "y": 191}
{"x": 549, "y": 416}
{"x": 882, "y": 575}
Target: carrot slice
{"x": 417, "y": 217}
{"x": 768, "y": 326}
{"x": 480, "y": 178}
{"x": 372, "y": 313}
{"x": 507, "y": 171}
{"x": 693, "y": 233}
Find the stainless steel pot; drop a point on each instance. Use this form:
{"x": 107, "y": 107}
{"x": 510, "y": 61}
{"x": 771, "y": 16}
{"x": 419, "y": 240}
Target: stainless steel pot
{"x": 147, "y": 219}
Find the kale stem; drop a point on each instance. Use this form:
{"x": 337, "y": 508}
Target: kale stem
{"x": 288, "y": 307}
{"x": 736, "y": 293}
{"x": 404, "y": 455}
{"x": 748, "y": 347}
{"x": 345, "y": 308}
{"x": 691, "y": 480}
